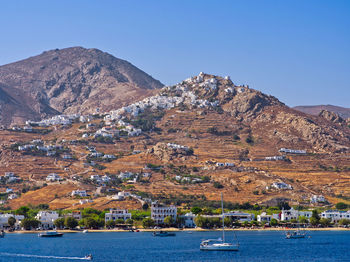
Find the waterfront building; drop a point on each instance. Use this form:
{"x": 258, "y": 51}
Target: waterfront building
{"x": 287, "y": 215}
{"x": 189, "y": 220}
{"x": 47, "y": 218}
{"x": 159, "y": 212}
{"x": 335, "y": 215}
{"x": 4, "y": 220}
{"x": 115, "y": 214}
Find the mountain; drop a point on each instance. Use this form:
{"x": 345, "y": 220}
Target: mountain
{"x": 70, "y": 80}
{"x": 315, "y": 110}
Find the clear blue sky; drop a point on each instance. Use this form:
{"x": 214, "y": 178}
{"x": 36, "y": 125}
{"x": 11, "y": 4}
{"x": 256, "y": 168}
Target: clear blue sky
{"x": 298, "y": 50}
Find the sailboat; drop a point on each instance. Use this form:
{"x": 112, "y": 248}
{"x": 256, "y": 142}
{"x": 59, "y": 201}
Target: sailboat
{"x": 295, "y": 234}
{"x": 219, "y": 244}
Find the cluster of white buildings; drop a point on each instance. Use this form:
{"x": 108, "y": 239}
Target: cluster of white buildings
{"x": 315, "y": 199}
{"x": 53, "y": 177}
{"x": 292, "y": 151}
{"x": 335, "y": 215}
{"x": 281, "y": 185}
{"x": 10, "y": 177}
{"x": 80, "y": 193}
{"x": 275, "y": 158}
{"x": 47, "y": 219}
{"x": 176, "y": 146}
{"x": 187, "y": 179}
{"x": 55, "y": 120}
{"x": 287, "y": 215}
{"x": 226, "y": 164}
{"x": 100, "y": 179}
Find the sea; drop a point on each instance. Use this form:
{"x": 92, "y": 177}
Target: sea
{"x": 142, "y": 246}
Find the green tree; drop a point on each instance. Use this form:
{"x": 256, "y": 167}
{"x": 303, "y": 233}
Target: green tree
{"x": 22, "y": 211}
{"x": 314, "y": 221}
{"x": 70, "y": 222}
{"x": 168, "y": 220}
{"x": 30, "y": 223}
{"x": 293, "y": 220}
{"x": 129, "y": 221}
{"x": 341, "y": 205}
{"x": 315, "y": 214}
{"x": 110, "y": 224}
{"x": 218, "y": 185}
{"x": 303, "y": 220}
{"x": 90, "y": 222}
{"x": 273, "y": 222}
{"x": 59, "y": 223}
{"x": 196, "y": 210}
{"x": 344, "y": 222}
{"x": 11, "y": 221}
{"x": 120, "y": 221}
{"x": 148, "y": 222}
{"x": 145, "y": 206}
{"x": 325, "y": 222}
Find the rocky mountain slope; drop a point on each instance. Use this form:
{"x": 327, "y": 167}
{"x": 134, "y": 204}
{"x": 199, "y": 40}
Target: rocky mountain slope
{"x": 315, "y": 110}
{"x": 192, "y": 140}
{"x": 69, "y": 80}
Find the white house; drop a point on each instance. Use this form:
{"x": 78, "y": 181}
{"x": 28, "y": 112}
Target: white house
{"x": 240, "y": 216}
{"x": 292, "y": 151}
{"x": 47, "y": 218}
{"x": 115, "y": 214}
{"x": 335, "y": 215}
{"x": 81, "y": 193}
{"x": 53, "y": 177}
{"x": 314, "y": 199}
{"x": 281, "y": 185}
{"x": 265, "y": 218}
{"x": 12, "y": 196}
{"x": 287, "y": 215}
{"x": 189, "y": 220}
{"x": 159, "y": 212}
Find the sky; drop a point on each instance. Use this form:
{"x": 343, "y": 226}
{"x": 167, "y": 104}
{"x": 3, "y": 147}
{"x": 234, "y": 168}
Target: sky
{"x": 295, "y": 50}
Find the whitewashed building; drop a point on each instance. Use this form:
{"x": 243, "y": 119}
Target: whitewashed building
{"x": 115, "y": 214}
{"x": 265, "y": 218}
{"x": 287, "y": 215}
{"x": 47, "y": 219}
{"x": 81, "y": 193}
{"x": 189, "y": 220}
{"x": 159, "y": 212}
{"x": 53, "y": 177}
{"x": 314, "y": 199}
{"x": 4, "y": 220}
{"x": 335, "y": 215}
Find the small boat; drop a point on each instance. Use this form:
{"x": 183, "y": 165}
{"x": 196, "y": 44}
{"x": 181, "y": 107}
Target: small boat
{"x": 219, "y": 244}
{"x": 163, "y": 234}
{"x": 295, "y": 234}
{"x": 2, "y": 234}
{"x": 50, "y": 234}
{"x": 85, "y": 231}
{"x": 88, "y": 257}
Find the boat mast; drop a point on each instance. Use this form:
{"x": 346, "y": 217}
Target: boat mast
{"x": 223, "y": 219}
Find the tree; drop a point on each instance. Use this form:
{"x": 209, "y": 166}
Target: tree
{"x": 145, "y": 206}
{"x": 90, "y": 222}
{"x": 129, "y": 221}
{"x": 344, "y": 222}
{"x": 325, "y": 222}
{"x": 283, "y": 205}
{"x": 196, "y": 210}
{"x": 314, "y": 221}
{"x": 59, "y": 222}
{"x": 22, "y": 211}
{"x": 11, "y": 221}
{"x": 168, "y": 220}
{"x": 218, "y": 185}
{"x": 30, "y": 223}
{"x": 315, "y": 214}
{"x": 119, "y": 221}
{"x": 303, "y": 220}
{"x": 110, "y": 224}
{"x": 70, "y": 222}
{"x": 273, "y": 222}
{"x": 341, "y": 205}
{"x": 148, "y": 222}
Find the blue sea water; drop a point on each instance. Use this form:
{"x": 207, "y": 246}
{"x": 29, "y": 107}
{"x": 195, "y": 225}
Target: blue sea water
{"x": 142, "y": 246}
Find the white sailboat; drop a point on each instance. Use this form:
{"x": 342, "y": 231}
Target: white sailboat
{"x": 219, "y": 244}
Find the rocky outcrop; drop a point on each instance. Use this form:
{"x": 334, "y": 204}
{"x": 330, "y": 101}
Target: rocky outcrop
{"x": 71, "y": 80}
{"x": 168, "y": 152}
{"x": 331, "y": 116}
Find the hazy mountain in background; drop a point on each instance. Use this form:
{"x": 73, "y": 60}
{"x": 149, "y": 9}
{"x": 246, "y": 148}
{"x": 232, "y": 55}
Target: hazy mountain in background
{"x": 69, "y": 80}
{"x": 315, "y": 110}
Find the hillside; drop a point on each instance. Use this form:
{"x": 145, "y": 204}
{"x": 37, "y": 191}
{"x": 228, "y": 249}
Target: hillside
{"x": 184, "y": 145}
{"x": 315, "y": 110}
{"x": 70, "y": 80}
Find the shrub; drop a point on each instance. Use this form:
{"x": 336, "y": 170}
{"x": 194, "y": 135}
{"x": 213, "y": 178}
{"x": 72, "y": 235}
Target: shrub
{"x": 218, "y": 185}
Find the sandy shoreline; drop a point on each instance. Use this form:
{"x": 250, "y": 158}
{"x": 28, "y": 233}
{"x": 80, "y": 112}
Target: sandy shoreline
{"x": 184, "y": 230}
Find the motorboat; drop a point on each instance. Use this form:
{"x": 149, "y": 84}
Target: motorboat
{"x": 163, "y": 234}
{"x": 50, "y": 234}
{"x": 88, "y": 257}
{"x": 85, "y": 231}
{"x": 295, "y": 234}
{"x": 219, "y": 244}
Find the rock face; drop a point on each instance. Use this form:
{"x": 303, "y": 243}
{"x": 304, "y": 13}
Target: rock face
{"x": 168, "y": 152}
{"x": 331, "y": 116}
{"x": 70, "y": 80}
